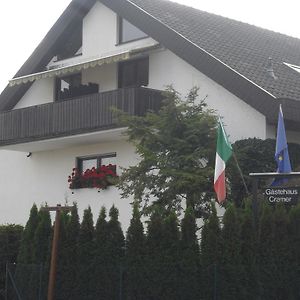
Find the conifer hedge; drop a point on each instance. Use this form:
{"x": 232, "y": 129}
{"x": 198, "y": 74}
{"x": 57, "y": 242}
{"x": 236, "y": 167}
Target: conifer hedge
{"x": 227, "y": 258}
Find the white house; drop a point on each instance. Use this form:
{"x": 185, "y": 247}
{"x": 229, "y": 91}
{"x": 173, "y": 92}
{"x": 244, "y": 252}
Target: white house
{"x": 55, "y": 113}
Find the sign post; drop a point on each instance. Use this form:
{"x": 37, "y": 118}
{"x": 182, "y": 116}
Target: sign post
{"x": 53, "y": 264}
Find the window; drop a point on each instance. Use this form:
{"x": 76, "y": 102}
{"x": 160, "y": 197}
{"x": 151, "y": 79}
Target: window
{"x": 66, "y": 85}
{"x": 95, "y": 171}
{"x": 134, "y": 73}
{"x": 70, "y": 87}
{"x": 128, "y": 32}
{"x": 95, "y": 161}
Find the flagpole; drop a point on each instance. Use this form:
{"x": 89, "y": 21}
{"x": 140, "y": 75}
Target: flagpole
{"x": 241, "y": 173}
{"x": 237, "y": 164}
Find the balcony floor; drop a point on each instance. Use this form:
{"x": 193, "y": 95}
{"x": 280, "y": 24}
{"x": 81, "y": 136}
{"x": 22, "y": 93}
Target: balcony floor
{"x": 105, "y": 136}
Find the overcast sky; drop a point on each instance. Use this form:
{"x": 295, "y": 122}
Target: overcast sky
{"x": 23, "y": 24}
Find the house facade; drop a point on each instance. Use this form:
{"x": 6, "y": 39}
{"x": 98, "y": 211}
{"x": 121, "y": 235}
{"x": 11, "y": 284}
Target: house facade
{"x": 56, "y": 112}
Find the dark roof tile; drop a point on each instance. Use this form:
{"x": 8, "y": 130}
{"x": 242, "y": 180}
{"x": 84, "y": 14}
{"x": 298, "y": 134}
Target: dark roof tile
{"x": 245, "y": 48}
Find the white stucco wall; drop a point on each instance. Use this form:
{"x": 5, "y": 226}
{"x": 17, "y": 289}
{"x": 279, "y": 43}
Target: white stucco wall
{"x": 42, "y": 178}
{"x": 291, "y": 136}
{"x": 241, "y": 120}
{"x": 41, "y": 91}
{"x": 105, "y": 76}
{"x": 100, "y": 33}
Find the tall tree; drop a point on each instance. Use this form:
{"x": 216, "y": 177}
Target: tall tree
{"x": 42, "y": 250}
{"x": 115, "y": 247}
{"x": 62, "y": 259}
{"x": 34, "y": 254}
{"x": 42, "y": 235}
{"x": 154, "y": 257}
{"x": 27, "y": 272}
{"x": 249, "y": 278}
{"x": 171, "y": 256}
{"x": 85, "y": 288}
{"x": 71, "y": 253}
{"x": 189, "y": 260}
{"x": 282, "y": 254}
{"x": 211, "y": 254}
{"x": 231, "y": 267}
{"x": 266, "y": 262}
{"x": 135, "y": 257}
{"x": 177, "y": 149}
{"x": 26, "y": 248}
{"x": 294, "y": 243}
{"x": 100, "y": 257}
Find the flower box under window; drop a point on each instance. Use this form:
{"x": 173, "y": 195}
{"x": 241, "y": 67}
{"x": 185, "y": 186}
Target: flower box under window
{"x": 100, "y": 178}
{"x": 94, "y": 171}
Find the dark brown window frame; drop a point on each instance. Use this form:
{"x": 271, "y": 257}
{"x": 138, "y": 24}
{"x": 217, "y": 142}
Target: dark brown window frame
{"x": 120, "y": 32}
{"x": 98, "y": 157}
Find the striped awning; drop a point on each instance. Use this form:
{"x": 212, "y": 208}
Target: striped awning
{"x": 113, "y": 58}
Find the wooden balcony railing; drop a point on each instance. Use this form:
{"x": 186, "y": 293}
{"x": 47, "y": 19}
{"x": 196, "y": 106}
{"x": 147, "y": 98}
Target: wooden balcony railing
{"x": 76, "y": 116}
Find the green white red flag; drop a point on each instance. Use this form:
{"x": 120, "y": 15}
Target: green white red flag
{"x": 223, "y": 153}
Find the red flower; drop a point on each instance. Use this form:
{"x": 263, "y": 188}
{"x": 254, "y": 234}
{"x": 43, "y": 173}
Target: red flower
{"x": 92, "y": 178}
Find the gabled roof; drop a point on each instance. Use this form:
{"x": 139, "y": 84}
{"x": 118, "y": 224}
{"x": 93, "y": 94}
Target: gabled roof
{"x": 232, "y": 53}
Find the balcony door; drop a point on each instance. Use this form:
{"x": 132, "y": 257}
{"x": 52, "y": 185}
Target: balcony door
{"x": 70, "y": 86}
{"x": 133, "y": 73}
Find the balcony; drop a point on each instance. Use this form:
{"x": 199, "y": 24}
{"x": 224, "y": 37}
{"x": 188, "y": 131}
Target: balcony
{"x": 78, "y": 116}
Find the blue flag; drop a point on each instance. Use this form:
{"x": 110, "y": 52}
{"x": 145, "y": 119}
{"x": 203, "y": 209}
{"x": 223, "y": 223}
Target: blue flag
{"x": 281, "y": 154}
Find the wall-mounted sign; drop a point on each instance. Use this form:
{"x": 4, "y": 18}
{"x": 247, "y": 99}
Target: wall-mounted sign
{"x": 287, "y": 195}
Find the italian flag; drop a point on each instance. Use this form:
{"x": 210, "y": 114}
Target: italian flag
{"x": 224, "y": 152}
